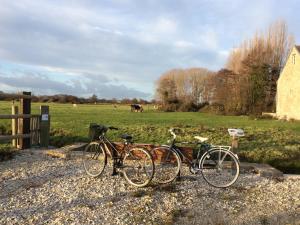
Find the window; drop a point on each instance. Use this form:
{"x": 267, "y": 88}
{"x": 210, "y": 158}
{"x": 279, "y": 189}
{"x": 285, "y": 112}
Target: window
{"x": 294, "y": 58}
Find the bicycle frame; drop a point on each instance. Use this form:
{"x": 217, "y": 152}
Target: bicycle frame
{"x": 116, "y": 155}
{"x": 180, "y": 153}
{"x": 112, "y": 150}
{"x": 190, "y": 162}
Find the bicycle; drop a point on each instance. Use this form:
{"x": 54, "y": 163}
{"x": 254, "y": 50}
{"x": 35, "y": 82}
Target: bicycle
{"x": 136, "y": 164}
{"x": 218, "y": 165}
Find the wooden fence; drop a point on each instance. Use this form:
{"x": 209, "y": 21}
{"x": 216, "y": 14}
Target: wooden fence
{"x": 27, "y": 129}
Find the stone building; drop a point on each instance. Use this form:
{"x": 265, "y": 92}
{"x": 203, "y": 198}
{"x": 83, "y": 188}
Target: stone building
{"x": 288, "y": 88}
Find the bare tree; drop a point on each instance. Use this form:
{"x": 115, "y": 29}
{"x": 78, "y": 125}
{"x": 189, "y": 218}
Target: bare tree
{"x": 259, "y": 61}
{"x": 185, "y": 88}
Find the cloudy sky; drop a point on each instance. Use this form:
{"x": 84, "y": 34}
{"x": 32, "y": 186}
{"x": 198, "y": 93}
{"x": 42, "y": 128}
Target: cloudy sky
{"x": 118, "y": 48}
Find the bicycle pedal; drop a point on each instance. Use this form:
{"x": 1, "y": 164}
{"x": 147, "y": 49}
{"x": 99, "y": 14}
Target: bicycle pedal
{"x": 114, "y": 173}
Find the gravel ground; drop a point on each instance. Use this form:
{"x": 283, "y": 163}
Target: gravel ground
{"x": 38, "y": 189}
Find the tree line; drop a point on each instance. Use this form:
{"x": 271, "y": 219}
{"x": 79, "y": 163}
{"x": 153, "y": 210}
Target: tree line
{"x": 62, "y": 98}
{"x": 247, "y": 84}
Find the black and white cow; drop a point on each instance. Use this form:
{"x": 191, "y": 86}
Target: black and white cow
{"x": 136, "y": 108}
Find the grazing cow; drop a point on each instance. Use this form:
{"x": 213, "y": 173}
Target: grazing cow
{"x": 136, "y": 108}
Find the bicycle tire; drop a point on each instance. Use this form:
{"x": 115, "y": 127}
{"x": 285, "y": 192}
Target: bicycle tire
{"x": 167, "y": 164}
{"x": 138, "y": 167}
{"x": 94, "y": 159}
{"x": 215, "y": 164}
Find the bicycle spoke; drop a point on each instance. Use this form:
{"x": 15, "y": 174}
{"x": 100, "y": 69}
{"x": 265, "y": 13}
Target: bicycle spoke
{"x": 139, "y": 167}
{"x": 225, "y": 171}
{"x": 94, "y": 159}
{"x": 223, "y": 157}
{"x": 167, "y": 165}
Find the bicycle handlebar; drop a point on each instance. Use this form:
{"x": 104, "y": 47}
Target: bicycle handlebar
{"x": 172, "y": 131}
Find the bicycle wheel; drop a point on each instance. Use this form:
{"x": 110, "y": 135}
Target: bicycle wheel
{"x": 138, "y": 167}
{"x": 94, "y": 159}
{"x": 219, "y": 167}
{"x": 167, "y": 164}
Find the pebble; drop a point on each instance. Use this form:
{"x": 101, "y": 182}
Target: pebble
{"x": 36, "y": 190}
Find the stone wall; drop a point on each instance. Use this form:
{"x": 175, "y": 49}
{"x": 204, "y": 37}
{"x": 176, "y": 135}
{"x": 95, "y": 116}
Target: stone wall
{"x": 288, "y": 89}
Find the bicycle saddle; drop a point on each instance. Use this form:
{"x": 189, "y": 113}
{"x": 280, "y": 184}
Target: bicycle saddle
{"x": 126, "y": 137}
{"x": 201, "y": 139}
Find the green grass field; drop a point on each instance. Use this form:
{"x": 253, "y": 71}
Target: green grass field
{"x": 271, "y": 141}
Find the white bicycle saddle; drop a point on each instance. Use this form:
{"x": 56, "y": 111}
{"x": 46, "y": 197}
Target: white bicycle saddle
{"x": 201, "y": 139}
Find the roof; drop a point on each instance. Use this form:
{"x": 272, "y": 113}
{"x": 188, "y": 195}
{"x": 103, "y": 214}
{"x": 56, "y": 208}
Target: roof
{"x": 298, "y": 47}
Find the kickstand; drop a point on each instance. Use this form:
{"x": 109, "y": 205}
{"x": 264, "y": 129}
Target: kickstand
{"x": 178, "y": 178}
{"x": 114, "y": 173}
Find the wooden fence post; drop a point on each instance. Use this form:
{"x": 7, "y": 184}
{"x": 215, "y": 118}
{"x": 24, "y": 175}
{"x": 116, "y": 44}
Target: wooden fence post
{"x": 20, "y": 130}
{"x": 235, "y": 142}
{"x": 44, "y": 126}
{"x": 14, "y": 125}
{"x": 24, "y": 125}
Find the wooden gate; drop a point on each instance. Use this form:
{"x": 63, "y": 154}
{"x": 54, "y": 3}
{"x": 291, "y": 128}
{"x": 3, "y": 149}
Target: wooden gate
{"x": 27, "y": 129}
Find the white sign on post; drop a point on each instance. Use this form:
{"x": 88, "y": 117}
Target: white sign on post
{"x": 236, "y": 132}
{"x": 45, "y": 117}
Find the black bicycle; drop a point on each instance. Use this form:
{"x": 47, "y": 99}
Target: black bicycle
{"x": 218, "y": 165}
{"x": 136, "y": 164}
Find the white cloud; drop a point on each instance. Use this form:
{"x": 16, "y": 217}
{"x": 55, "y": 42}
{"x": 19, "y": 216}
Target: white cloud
{"x": 224, "y": 53}
{"x": 129, "y": 42}
{"x": 164, "y": 26}
{"x": 184, "y": 44}
{"x": 5, "y": 87}
{"x": 42, "y": 84}
{"x": 208, "y": 39}
{"x": 117, "y": 32}
{"x": 161, "y": 30}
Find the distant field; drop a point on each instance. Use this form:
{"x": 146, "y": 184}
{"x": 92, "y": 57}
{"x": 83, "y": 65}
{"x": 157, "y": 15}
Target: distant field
{"x": 272, "y": 141}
